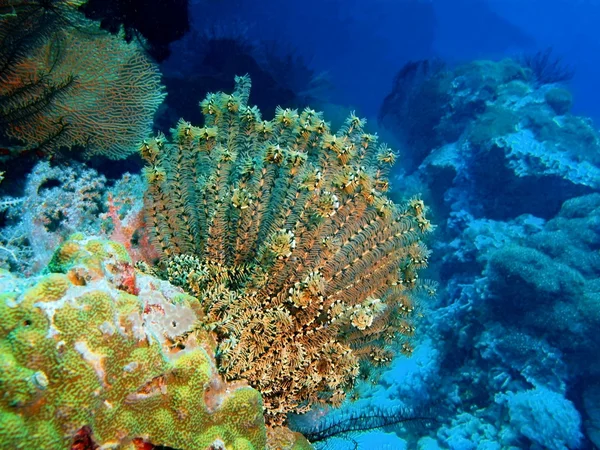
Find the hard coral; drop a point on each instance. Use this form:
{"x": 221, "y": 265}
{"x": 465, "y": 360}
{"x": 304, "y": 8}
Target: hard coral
{"x": 283, "y": 229}
{"x": 85, "y": 363}
{"x": 501, "y": 142}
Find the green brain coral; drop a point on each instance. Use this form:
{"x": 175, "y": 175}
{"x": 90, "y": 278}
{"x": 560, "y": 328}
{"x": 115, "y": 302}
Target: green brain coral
{"x": 104, "y": 348}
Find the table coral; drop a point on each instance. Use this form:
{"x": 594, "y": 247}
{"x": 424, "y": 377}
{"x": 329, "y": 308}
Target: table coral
{"x": 82, "y": 353}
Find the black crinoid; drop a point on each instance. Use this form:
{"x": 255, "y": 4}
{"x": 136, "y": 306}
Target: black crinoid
{"x": 349, "y": 424}
{"x": 547, "y": 67}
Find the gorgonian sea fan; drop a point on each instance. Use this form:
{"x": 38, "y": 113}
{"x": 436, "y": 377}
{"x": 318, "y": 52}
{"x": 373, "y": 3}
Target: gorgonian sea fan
{"x": 283, "y": 230}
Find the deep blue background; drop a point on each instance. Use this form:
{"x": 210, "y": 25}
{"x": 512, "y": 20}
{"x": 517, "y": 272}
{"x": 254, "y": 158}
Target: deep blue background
{"x": 361, "y": 44}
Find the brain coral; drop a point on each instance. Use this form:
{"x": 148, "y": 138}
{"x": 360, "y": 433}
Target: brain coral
{"x": 101, "y": 349}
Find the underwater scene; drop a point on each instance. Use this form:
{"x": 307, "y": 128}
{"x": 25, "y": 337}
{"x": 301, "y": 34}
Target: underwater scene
{"x": 279, "y": 225}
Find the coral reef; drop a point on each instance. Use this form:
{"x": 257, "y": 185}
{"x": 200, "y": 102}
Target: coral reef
{"x": 494, "y": 114}
{"x": 124, "y": 219}
{"x": 98, "y": 355}
{"x": 550, "y": 279}
{"x": 61, "y": 199}
{"x": 304, "y": 267}
{"x": 57, "y": 201}
{"x": 545, "y": 418}
{"x": 282, "y": 438}
{"x": 513, "y": 178}
{"x": 591, "y": 399}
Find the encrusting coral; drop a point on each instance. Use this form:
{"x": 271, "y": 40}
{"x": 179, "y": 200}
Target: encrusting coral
{"x": 99, "y": 356}
{"x": 283, "y": 230}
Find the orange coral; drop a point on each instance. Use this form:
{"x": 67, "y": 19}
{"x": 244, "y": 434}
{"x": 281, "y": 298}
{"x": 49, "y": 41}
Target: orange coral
{"x": 125, "y": 230}
{"x": 65, "y": 83}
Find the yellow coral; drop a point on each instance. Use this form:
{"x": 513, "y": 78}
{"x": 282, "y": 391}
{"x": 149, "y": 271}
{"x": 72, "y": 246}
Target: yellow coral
{"x": 92, "y": 356}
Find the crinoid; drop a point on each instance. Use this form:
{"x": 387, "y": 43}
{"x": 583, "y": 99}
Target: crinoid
{"x": 349, "y": 424}
{"x": 282, "y": 229}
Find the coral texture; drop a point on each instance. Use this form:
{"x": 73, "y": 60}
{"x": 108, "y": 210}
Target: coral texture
{"x": 57, "y": 202}
{"x": 66, "y": 83}
{"x": 283, "y": 230}
{"x": 484, "y": 115}
{"x": 99, "y": 355}
{"x": 545, "y": 418}
{"x": 282, "y": 438}
{"x": 512, "y": 172}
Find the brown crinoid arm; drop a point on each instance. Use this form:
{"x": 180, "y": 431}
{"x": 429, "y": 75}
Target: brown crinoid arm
{"x": 304, "y": 267}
